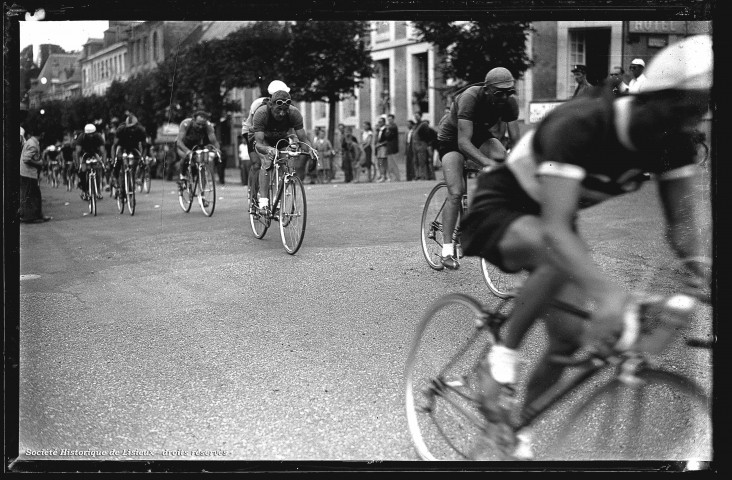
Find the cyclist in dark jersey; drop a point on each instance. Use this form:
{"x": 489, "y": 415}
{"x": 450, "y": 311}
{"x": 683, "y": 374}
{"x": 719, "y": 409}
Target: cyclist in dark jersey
{"x": 465, "y": 133}
{"x": 584, "y": 152}
{"x": 129, "y": 137}
{"x": 194, "y": 131}
{"x": 90, "y": 142}
{"x": 273, "y": 121}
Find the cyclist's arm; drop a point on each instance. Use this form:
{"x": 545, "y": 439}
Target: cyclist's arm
{"x": 303, "y": 137}
{"x": 212, "y": 137}
{"x": 465, "y": 134}
{"x": 685, "y": 230}
{"x": 179, "y": 142}
{"x": 569, "y": 254}
{"x": 260, "y": 144}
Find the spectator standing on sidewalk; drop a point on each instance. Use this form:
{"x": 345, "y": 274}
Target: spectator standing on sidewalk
{"x": 422, "y": 138}
{"x": 381, "y": 149}
{"x": 639, "y": 79}
{"x": 30, "y": 193}
{"x": 409, "y": 154}
{"x": 392, "y": 148}
{"x": 367, "y": 143}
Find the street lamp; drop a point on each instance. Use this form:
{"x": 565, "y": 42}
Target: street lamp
{"x": 44, "y": 80}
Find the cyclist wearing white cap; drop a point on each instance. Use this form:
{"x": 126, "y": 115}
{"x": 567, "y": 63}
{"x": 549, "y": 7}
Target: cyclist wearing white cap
{"x": 465, "y": 133}
{"x": 273, "y": 121}
{"x": 248, "y": 134}
{"x": 584, "y": 152}
{"x": 639, "y": 79}
{"x": 90, "y": 142}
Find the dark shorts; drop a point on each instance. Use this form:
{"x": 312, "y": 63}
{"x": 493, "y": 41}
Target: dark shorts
{"x": 446, "y": 146}
{"x": 499, "y": 200}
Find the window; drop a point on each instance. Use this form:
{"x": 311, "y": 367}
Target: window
{"x": 155, "y": 46}
{"x": 145, "y": 54}
{"x": 321, "y": 110}
{"x": 420, "y": 86}
{"x": 577, "y": 55}
{"x": 382, "y": 87}
{"x": 349, "y": 107}
{"x": 382, "y": 31}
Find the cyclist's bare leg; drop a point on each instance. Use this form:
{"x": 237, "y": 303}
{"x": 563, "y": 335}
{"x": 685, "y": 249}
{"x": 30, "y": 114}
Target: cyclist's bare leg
{"x": 452, "y": 168}
{"x": 264, "y": 174}
{"x": 522, "y": 248}
{"x": 564, "y": 332}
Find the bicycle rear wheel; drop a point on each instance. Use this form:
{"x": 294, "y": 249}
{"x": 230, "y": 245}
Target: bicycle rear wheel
{"x": 207, "y": 194}
{"x": 121, "y": 195}
{"x": 185, "y": 194}
{"x": 130, "y": 187}
{"x": 500, "y": 283}
{"x": 441, "y": 381}
{"x": 432, "y": 236}
{"x": 292, "y": 214}
{"x": 92, "y": 195}
{"x": 663, "y": 417}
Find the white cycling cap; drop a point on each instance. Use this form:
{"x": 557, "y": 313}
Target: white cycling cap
{"x": 90, "y": 128}
{"x": 685, "y": 65}
{"x": 276, "y": 86}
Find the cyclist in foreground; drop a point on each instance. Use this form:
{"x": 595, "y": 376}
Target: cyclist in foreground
{"x": 523, "y": 216}
{"x": 271, "y": 123}
{"x": 89, "y": 143}
{"x": 248, "y": 134}
{"x": 466, "y": 133}
{"x": 194, "y": 131}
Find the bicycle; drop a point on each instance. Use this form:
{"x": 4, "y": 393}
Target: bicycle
{"x": 123, "y": 189}
{"x": 200, "y": 180}
{"x": 288, "y": 205}
{"x": 432, "y": 237}
{"x": 144, "y": 179}
{"x": 443, "y": 406}
{"x": 92, "y": 162}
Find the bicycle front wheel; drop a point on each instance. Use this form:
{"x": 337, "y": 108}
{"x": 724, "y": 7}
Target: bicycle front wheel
{"x": 432, "y": 236}
{"x": 500, "y": 283}
{"x": 207, "y": 194}
{"x": 441, "y": 380}
{"x": 292, "y": 214}
{"x": 130, "y": 186}
{"x": 661, "y": 416}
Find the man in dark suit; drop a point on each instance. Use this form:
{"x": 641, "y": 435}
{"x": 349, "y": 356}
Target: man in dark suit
{"x": 408, "y": 151}
{"x": 392, "y": 148}
{"x": 422, "y": 137}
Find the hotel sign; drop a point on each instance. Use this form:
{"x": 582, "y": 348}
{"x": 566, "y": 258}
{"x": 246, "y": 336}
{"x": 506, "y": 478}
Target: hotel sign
{"x": 657, "y": 26}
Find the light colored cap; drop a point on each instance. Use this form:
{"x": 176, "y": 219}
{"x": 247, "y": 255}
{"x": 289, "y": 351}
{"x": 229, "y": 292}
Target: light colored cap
{"x": 276, "y": 86}
{"x": 90, "y": 128}
{"x": 638, "y": 61}
{"x": 499, "y": 77}
{"x": 684, "y": 65}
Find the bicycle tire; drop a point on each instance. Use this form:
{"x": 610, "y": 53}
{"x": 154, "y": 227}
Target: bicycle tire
{"x": 664, "y": 417}
{"x": 440, "y": 380}
{"x": 258, "y": 223}
{"x": 130, "y": 187}
{"x": 121, "y": 195}
{"x": 292, "y": 214}
{"x": 185, "y": 194}
{"x": 501, "y": 284}
{"x": 431, "y": 227}
{"x": 207, "y": 194}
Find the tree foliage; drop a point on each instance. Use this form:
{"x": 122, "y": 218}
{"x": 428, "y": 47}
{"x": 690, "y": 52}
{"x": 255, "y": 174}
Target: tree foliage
{"x": 470, "y": 49}
{"x": 327, "y": 61}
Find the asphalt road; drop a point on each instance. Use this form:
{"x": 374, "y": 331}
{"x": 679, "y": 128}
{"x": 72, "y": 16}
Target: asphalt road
{"x": 167, "y": 335}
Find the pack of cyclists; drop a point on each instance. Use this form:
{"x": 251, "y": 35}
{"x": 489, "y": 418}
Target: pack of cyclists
{"x": 523, "y": 215}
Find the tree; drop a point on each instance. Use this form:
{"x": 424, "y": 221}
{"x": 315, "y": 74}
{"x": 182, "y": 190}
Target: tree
{"x": 327, "y": 61}
{"x": 470, "y": 49}
{"x": 250, "y": 57}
